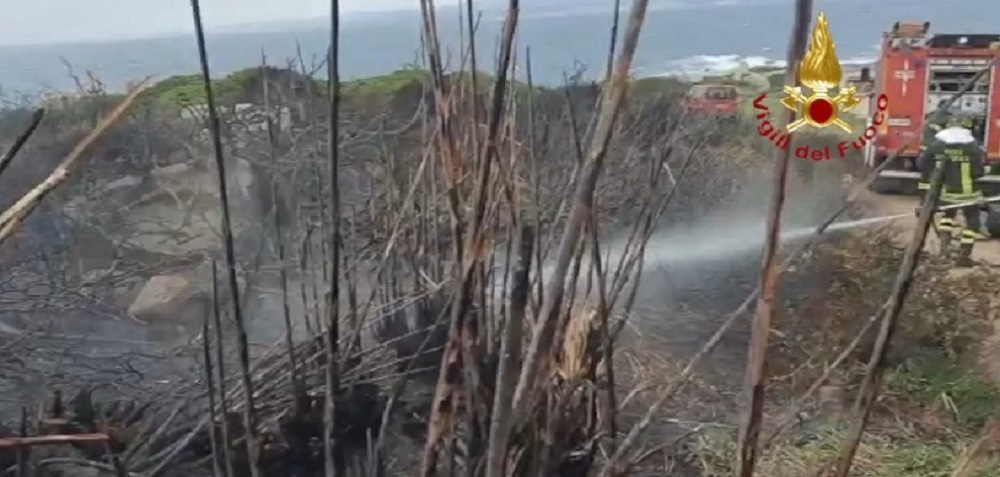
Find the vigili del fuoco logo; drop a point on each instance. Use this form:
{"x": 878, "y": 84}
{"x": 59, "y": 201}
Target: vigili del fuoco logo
{"x": 821, "y": 73}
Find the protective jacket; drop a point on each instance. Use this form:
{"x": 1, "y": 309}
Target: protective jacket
{"x": 956, "y": 150}
{"x": 935, "y": 124}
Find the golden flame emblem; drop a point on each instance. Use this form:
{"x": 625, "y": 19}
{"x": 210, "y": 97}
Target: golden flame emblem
{"x": 820, "y": 72}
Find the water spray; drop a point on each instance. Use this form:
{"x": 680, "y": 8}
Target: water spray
{"x": 806, "y": 232}
{"x": 715, "y": 242}
{"x": 734, "y": 239}
{"x": 691, "y": 248}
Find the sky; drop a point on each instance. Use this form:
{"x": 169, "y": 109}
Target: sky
{"x": 58, "y": 21}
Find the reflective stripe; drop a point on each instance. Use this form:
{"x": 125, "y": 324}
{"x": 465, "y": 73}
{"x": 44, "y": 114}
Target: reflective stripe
{"x": 897, "y": 174}
{"x": 955, "y": 198}
{"x": 923, "y": 186}
{"x": 966, "y": 169}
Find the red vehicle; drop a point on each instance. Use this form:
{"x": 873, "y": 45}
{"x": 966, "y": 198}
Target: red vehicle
{"x": 918, "y": 70}
{"x": 713, "y": 98}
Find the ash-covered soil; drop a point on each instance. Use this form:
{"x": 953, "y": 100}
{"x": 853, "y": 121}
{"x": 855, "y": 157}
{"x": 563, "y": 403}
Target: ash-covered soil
{"x": 682, "y": 305}
{"x": 698, "y": 273}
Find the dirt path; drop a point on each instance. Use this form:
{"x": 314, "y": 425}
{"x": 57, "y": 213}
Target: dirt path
{"x": 986, "y": 252}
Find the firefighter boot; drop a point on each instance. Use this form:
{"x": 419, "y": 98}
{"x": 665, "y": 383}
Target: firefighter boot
{"x": 968, "y": 240}
{"x": 945, "y": 232}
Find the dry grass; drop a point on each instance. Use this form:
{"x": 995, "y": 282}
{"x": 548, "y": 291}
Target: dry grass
{"x": 899, "y": 455}
{"x": 934, "y": 418}
{"x": 990, "y": 353}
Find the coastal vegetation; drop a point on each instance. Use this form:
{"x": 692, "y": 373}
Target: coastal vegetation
{"x": 467, "y": 281}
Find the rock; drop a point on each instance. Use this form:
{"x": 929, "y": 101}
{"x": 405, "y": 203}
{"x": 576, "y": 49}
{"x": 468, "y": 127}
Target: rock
{"x": 124, "y": 182}
{"x": 182, "y": 215}
{"x": 169, "y": 298}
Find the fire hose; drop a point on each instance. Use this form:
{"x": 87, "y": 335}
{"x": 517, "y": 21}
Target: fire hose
{"x": 983, "y": 201}
{"x": 978, "y": 202}
{"x": 960, "y": 205}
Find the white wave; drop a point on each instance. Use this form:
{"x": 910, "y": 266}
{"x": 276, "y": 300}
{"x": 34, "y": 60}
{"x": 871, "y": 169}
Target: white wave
{"x": 587, "y": 10}
{"x": 708, "y": 65}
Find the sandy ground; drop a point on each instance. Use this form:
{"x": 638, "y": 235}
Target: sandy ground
{"x": 986, "y": 252}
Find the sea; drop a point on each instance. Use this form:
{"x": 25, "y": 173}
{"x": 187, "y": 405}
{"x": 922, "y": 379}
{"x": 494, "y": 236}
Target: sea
{"x": 564, "y": 38}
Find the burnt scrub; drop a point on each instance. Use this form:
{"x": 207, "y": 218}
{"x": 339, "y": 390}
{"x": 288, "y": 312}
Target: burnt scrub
{"x": 939, "y": 390}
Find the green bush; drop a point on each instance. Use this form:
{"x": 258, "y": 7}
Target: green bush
{"x": 940, "y": 382}
{"x": 182, "y": 91}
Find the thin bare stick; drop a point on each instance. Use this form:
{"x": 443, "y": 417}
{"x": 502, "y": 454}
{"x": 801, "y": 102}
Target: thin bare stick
{"x": 535, "y": 176}
{"x": 971, "y": 461}
{"x": 279, "y": 237}
{"x": 756, "y": 373}
{"x": 331, "y": 457}
{"x": 614, "y": 39}
{"x": 16, "y": 213}
{"x": 303, "y": 273}
{"x": 52, "y": 439}
{"x": 249, "y": 424}
{"x": 463, "y": 332}
{"x": 510, "y": 354}
{"x": 206, "y": 343}
{"x": 120, "y": 469}
{"x": 792, "y": 413}
{"x": 24, "y": 453}
{"x": 21, "y": 139}
{"x": 900, "y": 289}
{"x": 220, "y": 360}
{"x": 473, "y": 80}
{"x": 583, "y": 201}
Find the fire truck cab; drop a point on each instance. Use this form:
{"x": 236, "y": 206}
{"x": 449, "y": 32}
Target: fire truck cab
{"x": 918, "y": 70}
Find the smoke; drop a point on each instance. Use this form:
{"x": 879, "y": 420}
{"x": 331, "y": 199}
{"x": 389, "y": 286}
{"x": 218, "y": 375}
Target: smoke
{"x": 696, "y": 272}
{"x": 734, "y": 231}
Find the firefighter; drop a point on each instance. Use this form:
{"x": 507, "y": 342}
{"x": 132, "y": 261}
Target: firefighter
{"x": 935, "y": 122}
{"x": 957, "y": 150}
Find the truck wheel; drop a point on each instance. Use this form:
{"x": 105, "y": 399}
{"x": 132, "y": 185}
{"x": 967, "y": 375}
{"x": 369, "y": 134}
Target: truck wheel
{"x": 993, "y": 221}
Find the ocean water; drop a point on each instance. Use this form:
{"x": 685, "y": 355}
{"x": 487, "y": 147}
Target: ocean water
{"x": 679, "y": 37}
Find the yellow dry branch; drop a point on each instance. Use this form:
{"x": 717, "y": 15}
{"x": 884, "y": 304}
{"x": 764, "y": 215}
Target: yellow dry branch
{"x": 17, "y": 212}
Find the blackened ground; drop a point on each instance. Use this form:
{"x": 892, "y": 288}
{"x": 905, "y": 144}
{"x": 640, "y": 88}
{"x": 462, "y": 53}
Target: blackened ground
{"x": 698, "y": 272}
{"x": 685, "y": 303}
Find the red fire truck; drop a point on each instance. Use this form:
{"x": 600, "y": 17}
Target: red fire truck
{"x": 918, "y": 70}
{"x": 713, "y": 97}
